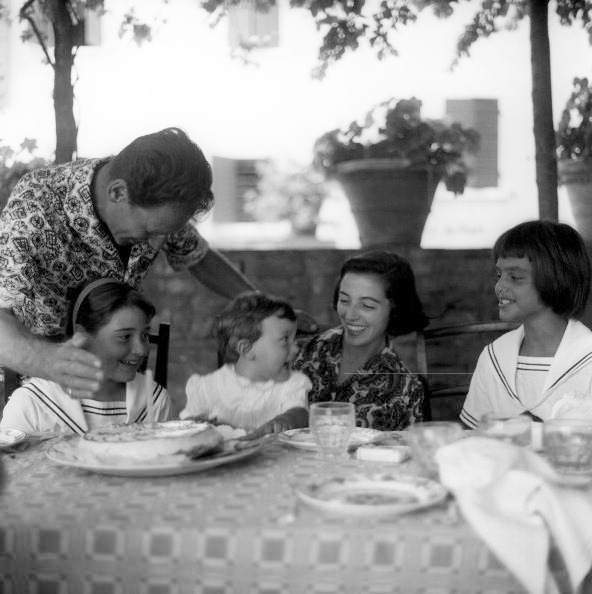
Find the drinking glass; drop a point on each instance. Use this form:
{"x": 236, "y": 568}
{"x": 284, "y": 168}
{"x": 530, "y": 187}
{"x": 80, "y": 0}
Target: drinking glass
{"x": 331, "y": 425}
{"x": 567, "y": 444}
{"x": 425, "y": 438}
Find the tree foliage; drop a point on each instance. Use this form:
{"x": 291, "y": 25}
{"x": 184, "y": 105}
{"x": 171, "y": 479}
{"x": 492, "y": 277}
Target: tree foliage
{"x": 344, "y": 25}
{"x": 66, "y": 22}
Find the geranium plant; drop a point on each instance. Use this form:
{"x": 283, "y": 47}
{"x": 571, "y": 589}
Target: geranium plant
{"x": 395, "y": 129}
{"x": 287, "y": 191}
{"x": 574, "y": 133}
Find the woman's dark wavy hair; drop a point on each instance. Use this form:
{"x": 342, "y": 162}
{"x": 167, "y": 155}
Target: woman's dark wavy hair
{"x": 560, "y": 263}
{"x": 397, "y": 277}
{"x": 165, "y": 167}
{"x": 103, "y": 301}
{"x": 242, "y": 320}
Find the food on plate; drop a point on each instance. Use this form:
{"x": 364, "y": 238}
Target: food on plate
{"x": 145, "y": 442}
{"x": 230, "y": 432}
{"x": 384, "y": 452}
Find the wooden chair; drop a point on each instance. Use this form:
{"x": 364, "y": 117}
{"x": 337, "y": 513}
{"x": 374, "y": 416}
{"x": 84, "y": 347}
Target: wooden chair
{"x": 161, "y": 357}
{"x": 12, "y": 379}
{"x": 446, "y": 342}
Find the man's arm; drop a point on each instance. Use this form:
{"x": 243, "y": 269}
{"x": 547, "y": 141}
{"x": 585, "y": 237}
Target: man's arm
{"x": 218, "y": 274}
{"x": 66, "y": 363}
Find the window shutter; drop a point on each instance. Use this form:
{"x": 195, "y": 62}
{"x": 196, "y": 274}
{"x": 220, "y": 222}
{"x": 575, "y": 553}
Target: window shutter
{"x": 233, "y": 178}
{"x": 247, "y": 27}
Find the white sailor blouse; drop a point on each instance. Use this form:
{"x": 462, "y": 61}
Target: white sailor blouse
{"x": 493, "y": 385}
{"x": 41, "y": 405}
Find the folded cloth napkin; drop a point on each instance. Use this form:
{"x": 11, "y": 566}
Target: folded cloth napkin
{"x": 508, "y": 496}
{"x": 573, "y": 405}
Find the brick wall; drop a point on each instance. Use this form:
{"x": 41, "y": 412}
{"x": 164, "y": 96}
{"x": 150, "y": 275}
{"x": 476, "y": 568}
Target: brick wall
{"x": 454, "y": 285}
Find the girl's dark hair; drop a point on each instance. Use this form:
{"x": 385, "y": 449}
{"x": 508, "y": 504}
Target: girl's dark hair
{"x": 397, "y": 277}
{"x": 242, "y": 319}
{"x": 560, "y": 263}
{"x": 165, "y": 168}
{"x": 96, "y": 308}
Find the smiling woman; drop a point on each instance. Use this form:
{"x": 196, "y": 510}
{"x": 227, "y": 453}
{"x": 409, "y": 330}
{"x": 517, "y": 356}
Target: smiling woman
{"x": 376, "y": 300}
{"x": 111, "y": 320}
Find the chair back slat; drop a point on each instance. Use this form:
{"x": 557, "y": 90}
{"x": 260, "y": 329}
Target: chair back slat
{"x": 161, "y": 363}
{"x": 440, "y": 334}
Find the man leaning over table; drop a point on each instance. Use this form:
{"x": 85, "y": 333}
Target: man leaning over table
{"x": 69, "y": 224}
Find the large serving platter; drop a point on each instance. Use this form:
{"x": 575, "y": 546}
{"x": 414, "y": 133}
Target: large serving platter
{"x": 68, "y": 453}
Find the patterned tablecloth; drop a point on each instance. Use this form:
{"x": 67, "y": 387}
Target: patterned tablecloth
{"x": 234, "y": 529}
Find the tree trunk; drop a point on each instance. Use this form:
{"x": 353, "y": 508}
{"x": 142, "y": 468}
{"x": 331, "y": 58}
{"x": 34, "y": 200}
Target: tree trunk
{"x": 542, "y": 103}
{"x": 63, "y": 94}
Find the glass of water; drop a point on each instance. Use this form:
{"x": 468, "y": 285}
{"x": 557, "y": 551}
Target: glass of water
{"x": 567, "y": 444}
{"x": 331, "y": 425}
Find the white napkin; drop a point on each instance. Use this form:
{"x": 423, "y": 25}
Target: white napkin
{"x": 573, "y": 405}
{"x": 505, "y": 494}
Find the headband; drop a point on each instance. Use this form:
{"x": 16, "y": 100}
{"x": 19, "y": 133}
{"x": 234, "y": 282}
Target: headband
{"x": 84, "y": 294}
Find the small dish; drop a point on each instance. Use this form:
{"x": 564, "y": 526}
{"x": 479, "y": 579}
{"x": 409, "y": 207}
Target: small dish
{"x": 373, "y": 495}
{"x": 11, "y": 437}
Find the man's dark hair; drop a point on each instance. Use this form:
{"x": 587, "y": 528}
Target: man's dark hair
{"x": 164, "y": 168}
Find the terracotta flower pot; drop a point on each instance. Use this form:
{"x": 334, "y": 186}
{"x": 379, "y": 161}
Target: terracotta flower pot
{"x": 576, "y": 176}
{"x": 389, "y": 200}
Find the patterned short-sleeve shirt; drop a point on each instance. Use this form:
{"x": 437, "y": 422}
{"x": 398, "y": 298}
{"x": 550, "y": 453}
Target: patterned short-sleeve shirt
{"x": 387, "y": 396}
{"x": 52, "y": 241}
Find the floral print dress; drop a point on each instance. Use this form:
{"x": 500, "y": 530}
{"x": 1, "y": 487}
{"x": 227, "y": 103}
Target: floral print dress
{"x": 387, "y": 396}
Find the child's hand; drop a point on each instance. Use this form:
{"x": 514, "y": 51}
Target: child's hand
{"x": 277, "y": 425}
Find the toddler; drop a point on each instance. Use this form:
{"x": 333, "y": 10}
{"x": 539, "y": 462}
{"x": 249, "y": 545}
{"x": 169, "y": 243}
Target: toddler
{"x": 255, "y": 389}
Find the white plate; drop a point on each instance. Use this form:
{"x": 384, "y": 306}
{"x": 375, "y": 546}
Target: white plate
{"x": 11, "y": 437}
{"x": 302, "y": 438}
{"x": 67, "y": 453}
{"x": 373, "y": 495}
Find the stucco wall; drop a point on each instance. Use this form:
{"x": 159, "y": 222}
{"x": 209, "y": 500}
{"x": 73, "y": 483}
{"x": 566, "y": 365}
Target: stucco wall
{"x": 455, "y": 286}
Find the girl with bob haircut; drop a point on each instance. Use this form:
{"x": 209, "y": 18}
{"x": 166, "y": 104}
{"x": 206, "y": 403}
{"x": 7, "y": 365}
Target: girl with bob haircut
{"x": 255, "y": 389}
{"x": 544, "y": 273}
{"x": 376, "y": 300}
{"x": 113, "y": 320}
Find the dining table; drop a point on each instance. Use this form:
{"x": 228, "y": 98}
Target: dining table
{"x": 236, "y": 528}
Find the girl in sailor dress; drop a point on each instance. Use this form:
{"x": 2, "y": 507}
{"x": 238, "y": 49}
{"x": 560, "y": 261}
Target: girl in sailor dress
{"x": 113, "y": 319}
{"x": 543, "y": 281}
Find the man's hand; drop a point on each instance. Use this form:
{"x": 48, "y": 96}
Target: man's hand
{"x": 77, "y": 370}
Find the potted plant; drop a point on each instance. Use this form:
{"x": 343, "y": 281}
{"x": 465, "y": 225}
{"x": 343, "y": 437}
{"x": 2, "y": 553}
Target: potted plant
{"x": 574, "y": 154}
{"x": 390, "y": 165}
{"x": 287, "y": 192}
